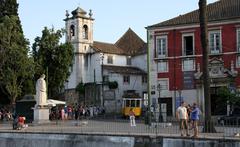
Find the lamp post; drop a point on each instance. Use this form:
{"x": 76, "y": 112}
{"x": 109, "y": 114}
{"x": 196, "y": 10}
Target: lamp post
{"x": 159, "y": 100}
{"x": 102, "y": 58}
{"x": 148, "y": 115}
{"x": 180, "y": 95}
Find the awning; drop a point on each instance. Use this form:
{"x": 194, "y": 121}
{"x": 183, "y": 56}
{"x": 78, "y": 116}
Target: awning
{"x": 53, "y": 103}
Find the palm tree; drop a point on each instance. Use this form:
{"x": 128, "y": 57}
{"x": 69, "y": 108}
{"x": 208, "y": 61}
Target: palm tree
{"x": 208, "y": 126}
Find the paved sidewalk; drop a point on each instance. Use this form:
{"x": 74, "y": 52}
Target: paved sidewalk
{"x": 122, "y": 128}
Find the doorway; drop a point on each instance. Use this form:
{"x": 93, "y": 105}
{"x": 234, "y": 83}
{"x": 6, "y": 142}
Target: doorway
{"x": 218, "y": 106}
{"x": 168, "y": 102}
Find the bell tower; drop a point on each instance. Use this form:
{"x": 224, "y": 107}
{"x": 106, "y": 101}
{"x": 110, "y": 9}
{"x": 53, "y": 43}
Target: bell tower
{"x": 79, "y": 32}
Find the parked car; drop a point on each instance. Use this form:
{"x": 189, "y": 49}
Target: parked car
{"x": 231, "y": 120}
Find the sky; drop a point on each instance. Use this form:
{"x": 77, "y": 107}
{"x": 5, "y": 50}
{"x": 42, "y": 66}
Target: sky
{"x": 112, "y": 17}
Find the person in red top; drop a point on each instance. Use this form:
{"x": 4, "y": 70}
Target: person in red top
{"x": 132, "y": 118}
{"x": 21, "y": 122}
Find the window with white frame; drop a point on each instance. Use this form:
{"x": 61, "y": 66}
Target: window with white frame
{"x": 215, "y": 42}
{"x": 163, "y": 84}
{"x": 129, "y": 60}
{"x": 126, "y": 79}
{"x": 238, "y": 62}
{"x": 188, "y": 64}
{"x": 144, "y": 79}
{"x": 161, "y": 46}
{"x": 188, "y": 44}
{"x": 163, "y": 66}
{"x": 106, "y": 78}
{"x": 110, "y": 59}
{"x": 238, "y": 40}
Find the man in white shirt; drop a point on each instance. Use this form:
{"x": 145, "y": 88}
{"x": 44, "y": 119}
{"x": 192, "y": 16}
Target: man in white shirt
{"x": 182, "y": 117}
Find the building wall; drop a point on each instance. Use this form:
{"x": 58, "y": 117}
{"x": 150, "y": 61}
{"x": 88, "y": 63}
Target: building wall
{"x": 140, "y": 61}
{"x": 175, "y": 57}
{"x": 87, "y": 62}
{"x": 94, "y": 64}
{"x": 135, "y": 84}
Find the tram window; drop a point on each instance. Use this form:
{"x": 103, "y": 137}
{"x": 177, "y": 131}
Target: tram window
{"x": 138, "y": 103}
{"x": 127, "y": 103}
{"x": 132, "y": 103}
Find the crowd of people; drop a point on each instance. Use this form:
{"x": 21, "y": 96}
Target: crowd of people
{"x": 75, "y": 112}
{"x": 188, "y": 117}
{"x": 5, "y": 114}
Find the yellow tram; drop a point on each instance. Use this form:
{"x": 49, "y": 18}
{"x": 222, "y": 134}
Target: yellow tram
{"x": 134, "y": 103}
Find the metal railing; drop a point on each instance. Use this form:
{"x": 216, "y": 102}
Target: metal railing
{"x": 116, "y": 125}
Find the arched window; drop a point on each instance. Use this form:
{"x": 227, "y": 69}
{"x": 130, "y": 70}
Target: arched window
{"x": 72, "y": 30}
{"x": 85, "y": 32}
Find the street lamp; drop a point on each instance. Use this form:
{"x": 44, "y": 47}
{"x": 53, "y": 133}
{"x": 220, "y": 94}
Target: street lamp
{"x": 159, "y": 100}
{"x": 180, "y": 95}
{"x": 102, "y": 58}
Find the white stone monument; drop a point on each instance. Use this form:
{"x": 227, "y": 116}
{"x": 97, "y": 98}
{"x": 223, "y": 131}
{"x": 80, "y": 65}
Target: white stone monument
{"x": 41, "y": 109}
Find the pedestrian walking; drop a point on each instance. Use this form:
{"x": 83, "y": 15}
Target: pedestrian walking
{"x": 182, "y": 117}
{"x": 195, "y": 118}
{"x": 132, "y": 118}
{"x": 62, "y": 114}
{"x": 190, "y": 121}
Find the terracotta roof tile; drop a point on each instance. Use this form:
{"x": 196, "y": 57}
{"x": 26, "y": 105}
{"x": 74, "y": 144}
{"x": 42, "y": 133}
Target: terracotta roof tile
{"x": 220, "y": 10}
{"x": 107, "y": 48}
{"x": 124, "y": 70}
{"x": 131, "y": 43}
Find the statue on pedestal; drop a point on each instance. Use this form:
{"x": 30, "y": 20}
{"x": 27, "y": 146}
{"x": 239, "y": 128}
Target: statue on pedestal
{"x": 41, "y": 92}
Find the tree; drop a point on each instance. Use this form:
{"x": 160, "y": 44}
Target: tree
{"x": 52, "y": 58}
{"x": 113, "y": 85}
{"x": 15, "y": 66}
{"x": 80, "y": 88}
{"x": 8, "y": 7}
{"x": 209, "y": 127}
{"x": 229, "y": 97}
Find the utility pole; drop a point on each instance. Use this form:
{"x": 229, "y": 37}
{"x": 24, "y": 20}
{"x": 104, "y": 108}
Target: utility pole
{"x": 149, "y": 117}
{"x": 47, "y": 82}
{"x": 159, "y": 100}
{"x": 180, "y": 95}
{"x": 102, "y": 57}
{"x": 94, "y": 78}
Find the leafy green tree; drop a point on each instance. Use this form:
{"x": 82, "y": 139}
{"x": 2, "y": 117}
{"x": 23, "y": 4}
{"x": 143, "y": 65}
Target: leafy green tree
{"x": 113, "y": 85}
{"x": 228, "y": 97}
{"x": 15, "y": 65}
{"x": 80, "y": 88}
{"x": 52, "y": 58}
{"x": 8, "y": 7}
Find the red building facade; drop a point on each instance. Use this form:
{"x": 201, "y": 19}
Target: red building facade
{"x": 176, "y": 56}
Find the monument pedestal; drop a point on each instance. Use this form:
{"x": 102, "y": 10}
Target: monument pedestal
{"x": 41, "y": 115}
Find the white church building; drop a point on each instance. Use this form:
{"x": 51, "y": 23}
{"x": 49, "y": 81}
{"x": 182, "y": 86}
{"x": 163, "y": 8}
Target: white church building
{"x": 96, "y": 64}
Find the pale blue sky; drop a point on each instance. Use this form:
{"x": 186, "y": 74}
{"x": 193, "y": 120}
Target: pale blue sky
{"x": 112, "y": 17}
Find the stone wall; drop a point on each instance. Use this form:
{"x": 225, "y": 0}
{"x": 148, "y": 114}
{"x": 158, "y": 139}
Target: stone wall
{"x": 62, "y": 140}
{"x": 77, "y": 140}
